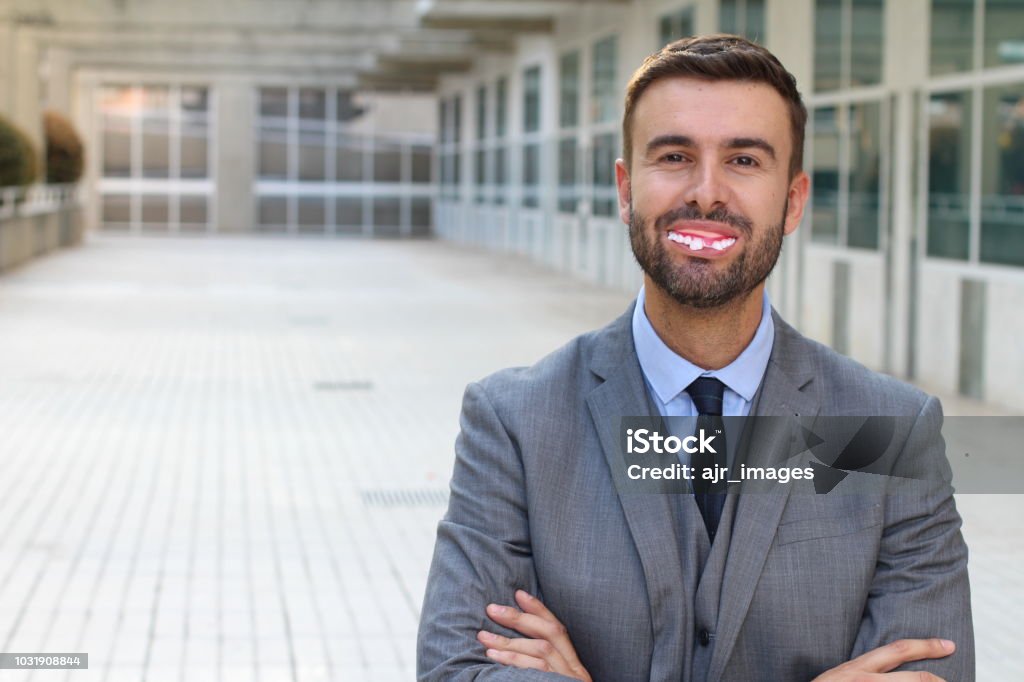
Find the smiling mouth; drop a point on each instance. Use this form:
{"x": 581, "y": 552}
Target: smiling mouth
{"x": 699, "y": 243}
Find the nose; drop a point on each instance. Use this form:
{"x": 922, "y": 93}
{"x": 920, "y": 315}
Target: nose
{"x": 706, "y": 188}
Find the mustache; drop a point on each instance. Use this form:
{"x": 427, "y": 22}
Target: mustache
{"x": 718, "y": 215}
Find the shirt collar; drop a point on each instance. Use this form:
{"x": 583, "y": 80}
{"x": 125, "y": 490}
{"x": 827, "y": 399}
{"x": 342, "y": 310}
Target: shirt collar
{"x": 669, "y": 373}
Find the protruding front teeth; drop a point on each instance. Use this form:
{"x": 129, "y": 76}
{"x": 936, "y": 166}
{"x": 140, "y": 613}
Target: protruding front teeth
{"x": 695, "y": 243}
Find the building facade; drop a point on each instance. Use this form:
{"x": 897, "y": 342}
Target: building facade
{"x": 497, "y": 123}
{"x": 911, "y": 255}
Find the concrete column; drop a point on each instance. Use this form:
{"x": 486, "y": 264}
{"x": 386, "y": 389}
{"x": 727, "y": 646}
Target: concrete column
{"x": 6, "y": 67}
{"x": 235, "y": 163}
{"x": 26, "y": 111}
{"x": 906, "y": 66}
{"x": 789, "y": 25}
{"x": 58, "y": 83}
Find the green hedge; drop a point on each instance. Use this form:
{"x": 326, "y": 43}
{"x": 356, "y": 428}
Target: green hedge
{"x": 64, "y": 150}
{"x": 19, "y": 164}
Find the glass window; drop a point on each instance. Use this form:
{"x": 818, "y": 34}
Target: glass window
{"x": 481, "y": 112}
{"x": 155, "y": 210}
{"x": 569, "y": 90}
{"x": 117, "y": 147}
{"x": 825, "y": 179}
{"x": 348, "y": 213}
{"x": 567, "y": 190}
{"x": 728, "y": 19}
{"x": 674, "y": 26}
{"x": 949, "y": 175}
{"x": 422, "y": 158}
{"x": 742, "y": 17}
{"x": 193, "y": 154}
{"x": 387, "y": 162}
{"x": 274, "y": 102}
{"x": 312, "y": 214}
{"x": 312, "y": 155}
{"x": 500, "y": 174}
{"x": 864, "y": 180}
{"x": 273, "y": 211}
{"x": 156, "y": 146}
{"x": 848, "y": 43}
{"x": 531, "y": 175}
{"x": 387, "y": 212}
{"x": 604, "y": 94}
{"x": 827, "y": 44}
{"x": 348, "y": 159}
{"x": 866, "y": 42}
{"x": 1004, "y": 32}
{"x": 1002, "y": 177}
{"x": 195, "y": 100}
{"x": 345, "y": 107}
{"x": 604, "y": 198}
{"x": 312, "y": 104}
{"x": 531, "y": 99}
{"x": 500, "y": 107}
{"x": 456, "y": 119}
{"x": 420, "y": 216}
{"x": 442, "y": 117}
{"x": 117, "y": 208}
{"x": 193, "y": 211}
{"x": 755, "y": 27}
{"x": 952, "y": 34}
{"x": 480, "y": 173}
{"x": 273, "y": 153}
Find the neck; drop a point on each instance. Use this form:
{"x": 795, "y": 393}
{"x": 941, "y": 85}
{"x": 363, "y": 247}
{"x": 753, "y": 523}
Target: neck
{"x": 710, "y": 338}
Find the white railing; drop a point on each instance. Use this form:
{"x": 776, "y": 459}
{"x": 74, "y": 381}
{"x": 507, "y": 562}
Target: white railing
{"x": 36, "y": 199}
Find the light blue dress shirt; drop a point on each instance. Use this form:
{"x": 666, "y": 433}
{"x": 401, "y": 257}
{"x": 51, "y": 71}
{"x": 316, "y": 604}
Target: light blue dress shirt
{"x": 668, "y": 374}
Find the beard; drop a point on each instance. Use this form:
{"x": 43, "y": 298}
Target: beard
{"x": 699, "y": 282}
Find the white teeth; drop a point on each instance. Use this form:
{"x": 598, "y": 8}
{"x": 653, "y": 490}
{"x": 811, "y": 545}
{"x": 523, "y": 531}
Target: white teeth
{"x": 696, "y": 243}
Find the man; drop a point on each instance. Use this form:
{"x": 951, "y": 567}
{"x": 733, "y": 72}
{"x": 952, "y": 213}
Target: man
{"x": 613, "y": 586}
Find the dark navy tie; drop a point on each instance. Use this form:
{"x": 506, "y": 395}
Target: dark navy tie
{"x": 707, "y": 394}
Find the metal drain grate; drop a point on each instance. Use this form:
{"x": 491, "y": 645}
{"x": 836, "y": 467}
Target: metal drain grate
{"x": 410, "y": 497}
{"x": 343, "y": 386}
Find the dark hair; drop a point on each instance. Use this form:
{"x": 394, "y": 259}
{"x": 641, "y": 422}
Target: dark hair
{"x": 718, "y": 57}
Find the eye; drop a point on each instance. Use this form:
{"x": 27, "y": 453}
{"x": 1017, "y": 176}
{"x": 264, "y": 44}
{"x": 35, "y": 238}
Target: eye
{"x": 673, "y": 157}
{"x": 746, "y": 161}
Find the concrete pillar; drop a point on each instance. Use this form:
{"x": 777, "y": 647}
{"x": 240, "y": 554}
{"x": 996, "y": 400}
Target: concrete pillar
{"x": 235, "y": 162}
{"x": 26, "y": 110}
{"x": 906, "y": 66}
{"x": 58, "y": 82}
{"x": 789, "y": 25}
{"x": 6, "y": 75}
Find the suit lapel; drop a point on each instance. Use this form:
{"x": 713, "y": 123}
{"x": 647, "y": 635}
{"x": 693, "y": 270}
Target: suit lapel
{"x": 649, "y": 516}
{"x": 786, "y": 390}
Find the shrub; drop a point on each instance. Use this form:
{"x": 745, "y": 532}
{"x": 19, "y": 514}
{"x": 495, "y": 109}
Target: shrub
{"x": 18, "y": 163}
{"x": 64, "y": 150}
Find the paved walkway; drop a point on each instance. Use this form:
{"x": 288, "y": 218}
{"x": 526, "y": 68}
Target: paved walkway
{"x": 225, "y": 459}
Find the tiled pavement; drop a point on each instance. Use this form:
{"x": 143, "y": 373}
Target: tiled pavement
{"x": 224, "y": 459}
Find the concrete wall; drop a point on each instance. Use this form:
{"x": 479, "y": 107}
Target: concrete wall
{"x": 24, "y": 237}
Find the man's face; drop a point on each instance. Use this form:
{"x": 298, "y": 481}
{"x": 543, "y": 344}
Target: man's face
{"x": 709, "y": 198}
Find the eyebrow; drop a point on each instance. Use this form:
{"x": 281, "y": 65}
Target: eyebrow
{"x": 734, "y": 143}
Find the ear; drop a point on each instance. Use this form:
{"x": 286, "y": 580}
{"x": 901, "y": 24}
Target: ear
{"x": 799, "y": 190}
{"x": 622, "y": 184}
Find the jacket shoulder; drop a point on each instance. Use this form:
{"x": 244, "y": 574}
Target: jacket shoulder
{"x": 844, "y": 385}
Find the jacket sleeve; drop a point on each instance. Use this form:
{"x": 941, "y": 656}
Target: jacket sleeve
{"x": 482, "y": 553}
{"x": 920, "y": 588}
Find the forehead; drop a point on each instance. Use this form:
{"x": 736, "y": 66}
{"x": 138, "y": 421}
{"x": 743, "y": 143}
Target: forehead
{"x": 710, "y": 111}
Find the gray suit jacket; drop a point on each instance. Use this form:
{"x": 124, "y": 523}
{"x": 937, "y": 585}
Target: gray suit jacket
{"x": 810, "y": 581}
